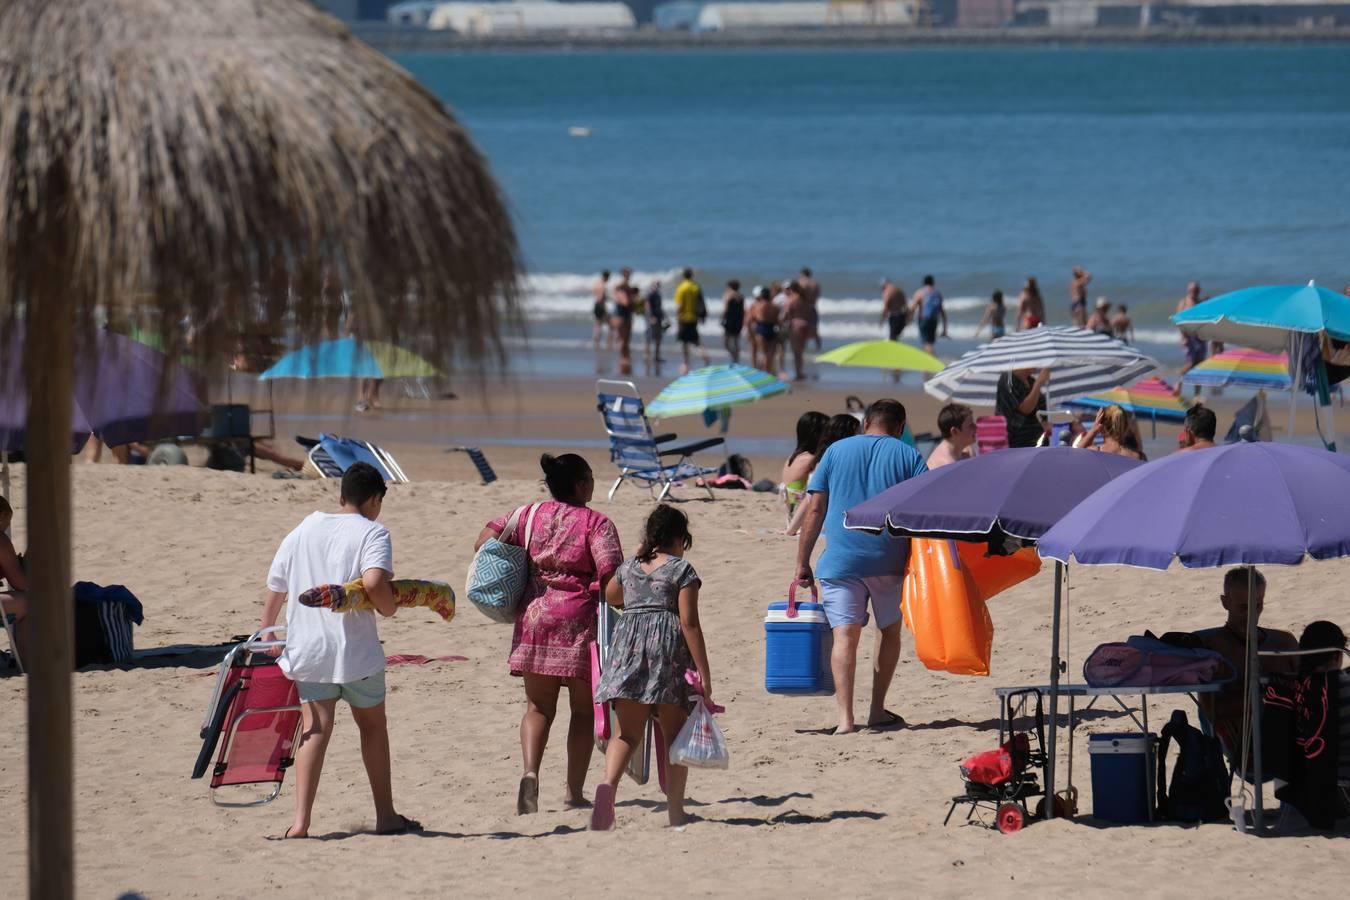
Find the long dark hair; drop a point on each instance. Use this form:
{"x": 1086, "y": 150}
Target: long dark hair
{"x": 838, "y": 428}
{"x": 810, "y": 427}
{"x": 564, "y": 475}
{"x": 664, "y": 526}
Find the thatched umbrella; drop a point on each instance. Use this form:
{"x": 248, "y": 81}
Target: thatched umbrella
{"x": 179, "y": 152}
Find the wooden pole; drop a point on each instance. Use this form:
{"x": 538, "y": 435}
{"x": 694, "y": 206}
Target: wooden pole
{"x": 50, "y": 365}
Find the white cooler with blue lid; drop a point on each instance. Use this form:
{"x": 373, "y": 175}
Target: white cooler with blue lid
{"x": 797, "y": 646}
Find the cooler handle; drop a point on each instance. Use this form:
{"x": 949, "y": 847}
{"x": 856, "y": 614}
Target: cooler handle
{"x": 792, "y": 597}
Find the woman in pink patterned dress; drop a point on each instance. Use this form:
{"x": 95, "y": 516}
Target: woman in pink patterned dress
{"x": 572, "y": 549}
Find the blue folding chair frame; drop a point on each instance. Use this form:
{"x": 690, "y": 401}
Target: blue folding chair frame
{"x": 331, "y": 455}
{"x": 641, "y": 455}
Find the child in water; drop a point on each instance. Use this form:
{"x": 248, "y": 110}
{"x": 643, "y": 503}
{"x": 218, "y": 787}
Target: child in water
{"x": 657, "y": 640}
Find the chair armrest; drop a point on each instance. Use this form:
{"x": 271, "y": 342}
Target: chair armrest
{"x": 694, "y": 447}
{"x": 662, "y": 438}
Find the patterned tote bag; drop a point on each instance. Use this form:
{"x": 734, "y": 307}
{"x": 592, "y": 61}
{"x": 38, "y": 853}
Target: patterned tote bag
{"x": 500, "y": 571}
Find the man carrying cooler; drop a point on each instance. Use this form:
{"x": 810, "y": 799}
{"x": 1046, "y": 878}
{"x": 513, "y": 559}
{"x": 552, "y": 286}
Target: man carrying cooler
{"x": 334, "y": 656}
{"x": 857, "y": 567}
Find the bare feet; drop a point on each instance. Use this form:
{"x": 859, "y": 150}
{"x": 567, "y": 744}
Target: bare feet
{"x": 527, "y": 797}
{"x": 602, "y": 815}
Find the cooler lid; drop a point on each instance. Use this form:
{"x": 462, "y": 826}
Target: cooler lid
{"x": 1127, "y": 743}
{"x": 807, "y": 614}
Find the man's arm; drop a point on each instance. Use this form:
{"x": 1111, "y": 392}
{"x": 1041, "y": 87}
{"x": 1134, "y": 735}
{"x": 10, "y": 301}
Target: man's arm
{"x": 272, "y": 608}
{"x": 942, "y": 311}
{"x": 811, "y": 525}
{"x": 1033, "y": 398}
{"x": 379, "y": 588}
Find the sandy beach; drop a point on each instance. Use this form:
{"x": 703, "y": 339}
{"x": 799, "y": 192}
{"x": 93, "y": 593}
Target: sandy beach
{"x": 798, "y": 812}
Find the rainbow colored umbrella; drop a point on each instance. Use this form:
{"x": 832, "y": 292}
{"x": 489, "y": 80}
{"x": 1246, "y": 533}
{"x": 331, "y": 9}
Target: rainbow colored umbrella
{"x": 1152, "y": 399}
{"x": 714, "y": 388}
{"x": 1242, "y": 368}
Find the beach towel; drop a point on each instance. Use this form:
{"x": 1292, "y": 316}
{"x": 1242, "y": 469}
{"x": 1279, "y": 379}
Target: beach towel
{"x": 1300, "y": 741}
{"x": 104, "y": 616}
{"x": 436, "y": 596}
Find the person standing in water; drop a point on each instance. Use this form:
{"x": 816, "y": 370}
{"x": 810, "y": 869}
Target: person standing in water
{"x": 1193, "y": 347}
{"x": 600, "y": 306}
{"x": 894, "y": 309}
{"x": 1078, "y": 290}
{"x": 994, "y": 316}
{"x": 656, "y": 322}
{"x": 689, "y": 312}
{"x": 733, "y": 319}
{"x": 1030, "y": 307}
{"x": 929, "y": 313}
{"x": 811, "y": 295}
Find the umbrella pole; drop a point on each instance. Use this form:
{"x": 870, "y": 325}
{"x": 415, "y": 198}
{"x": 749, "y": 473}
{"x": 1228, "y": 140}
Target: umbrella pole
{"x": 50, "y": 356}
{"x": 1295, "y": 375}
{"x": 1054, "y": 694}
{"x": 1254, "y": 702}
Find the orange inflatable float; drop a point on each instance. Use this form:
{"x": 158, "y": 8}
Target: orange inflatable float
{"x": 946, "y": 586}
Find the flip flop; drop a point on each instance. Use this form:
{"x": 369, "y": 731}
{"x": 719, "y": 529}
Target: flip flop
{"x": 408, "y": 827}
{"x": 602, "y": 816}
{"x": 890, "y": 723}
{"x": 299, "y": 837}
{"x": 527, "y": 798}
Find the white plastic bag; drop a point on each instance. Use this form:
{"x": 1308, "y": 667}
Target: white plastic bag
{"x": 700, "y": 743}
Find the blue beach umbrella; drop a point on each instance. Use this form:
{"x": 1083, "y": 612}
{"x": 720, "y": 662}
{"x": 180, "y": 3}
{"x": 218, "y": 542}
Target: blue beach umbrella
{"x": 348, "y": 358}
{"x": 1264, "y": 317}
{"x": 714, "y": 389}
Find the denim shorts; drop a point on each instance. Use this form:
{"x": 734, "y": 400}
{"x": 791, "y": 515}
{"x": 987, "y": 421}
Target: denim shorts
{"x": 362, "y": 694}
{"x": 845, "y": 599}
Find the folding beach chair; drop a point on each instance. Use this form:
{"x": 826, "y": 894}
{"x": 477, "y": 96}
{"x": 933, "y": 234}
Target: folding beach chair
{"x": 641, "y": 455}
{"x": 479, "y": 462}
{"x": 254, "y": 718}
{"x": 991, "y": 433}
{"x": 330, "y": 456}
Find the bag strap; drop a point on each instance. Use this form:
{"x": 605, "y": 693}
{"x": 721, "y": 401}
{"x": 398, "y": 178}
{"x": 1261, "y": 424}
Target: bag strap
{"x": 792, "y": 597}
{"x": 1164, "y": 741}
{"x": 529, "y": 526}
{"x": 510, "y": 527}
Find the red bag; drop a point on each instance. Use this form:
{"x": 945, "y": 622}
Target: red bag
{"x": 991, "y": 767}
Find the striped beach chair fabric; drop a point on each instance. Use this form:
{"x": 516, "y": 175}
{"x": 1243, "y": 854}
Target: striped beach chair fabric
{"x": 642, "y": 456}
{"x": 479, "y": 462}
{"x": 330, "y": 456}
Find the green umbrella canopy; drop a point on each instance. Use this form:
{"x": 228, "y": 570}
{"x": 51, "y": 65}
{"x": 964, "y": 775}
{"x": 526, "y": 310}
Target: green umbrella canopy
{"x": 175, "y": 156}
{"x": 882, "y": 355}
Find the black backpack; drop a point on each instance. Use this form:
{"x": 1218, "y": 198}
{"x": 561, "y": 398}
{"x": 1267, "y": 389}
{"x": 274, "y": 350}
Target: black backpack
{"x": 1200, "y": 779}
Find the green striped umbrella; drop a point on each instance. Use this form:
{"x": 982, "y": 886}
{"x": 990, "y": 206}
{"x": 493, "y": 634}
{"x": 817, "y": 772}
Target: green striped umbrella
{"x": 714, "y": 388}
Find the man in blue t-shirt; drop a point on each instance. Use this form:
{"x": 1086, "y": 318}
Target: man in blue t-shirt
{"x": 857, "y": 566}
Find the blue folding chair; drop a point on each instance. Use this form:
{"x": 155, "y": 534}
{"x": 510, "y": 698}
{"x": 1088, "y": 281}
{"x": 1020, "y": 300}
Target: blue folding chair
{"x": 330, "y": 456}
{"x": 642, "y": 456}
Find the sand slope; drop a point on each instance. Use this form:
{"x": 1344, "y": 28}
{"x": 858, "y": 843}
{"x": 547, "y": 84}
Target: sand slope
{"x": 798, "y": 813}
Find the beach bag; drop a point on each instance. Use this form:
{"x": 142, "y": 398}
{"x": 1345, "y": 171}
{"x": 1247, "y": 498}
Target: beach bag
{"x": 1199, "y": 783}
{"x": 500, "y": 571}
{"x": 994, "y": 767}
{"x": 700, "y": 743}
{"x": 1147, "y": 661}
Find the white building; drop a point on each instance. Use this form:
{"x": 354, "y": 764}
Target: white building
{"x": 734, "y": 16}
{"x": 530, "y": 16}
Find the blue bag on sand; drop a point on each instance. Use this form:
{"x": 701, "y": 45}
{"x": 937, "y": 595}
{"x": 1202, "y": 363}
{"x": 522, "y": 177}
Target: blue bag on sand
{"x": 500, "y": 571}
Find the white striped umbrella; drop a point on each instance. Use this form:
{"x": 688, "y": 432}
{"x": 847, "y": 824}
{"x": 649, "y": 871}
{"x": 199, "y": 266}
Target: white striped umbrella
{"x": 1080, "y": 362}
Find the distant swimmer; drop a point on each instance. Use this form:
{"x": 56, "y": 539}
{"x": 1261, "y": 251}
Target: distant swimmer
{"x": 1030, "y": 307}
{"x": 929, "y": 313}
{"x": 600, "y": 296}
{"x": 1078, "y": 291}
{"x": 894, "y": 309}
{"x": 995, "y": 315}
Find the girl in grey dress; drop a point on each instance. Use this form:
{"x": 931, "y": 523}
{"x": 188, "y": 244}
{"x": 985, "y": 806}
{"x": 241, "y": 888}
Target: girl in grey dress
{"x": 656, "y": 641}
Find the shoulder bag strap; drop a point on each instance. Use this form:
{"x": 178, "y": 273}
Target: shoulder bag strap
{"x": 529, "y": 526}
{"x": 510, "y": 527}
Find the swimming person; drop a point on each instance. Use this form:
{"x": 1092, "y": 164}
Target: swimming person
{"x": 572, "y": 548}
{"x": 658, "y": 639}
{"x": 994, "y": 316}
{"x": 956, "y": 425}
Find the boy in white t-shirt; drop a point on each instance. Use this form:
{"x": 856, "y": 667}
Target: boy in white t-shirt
{"x": 338, "y": 655}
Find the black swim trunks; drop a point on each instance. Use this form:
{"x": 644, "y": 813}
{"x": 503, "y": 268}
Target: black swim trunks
{"x": 688, "y": 333}
{"x": 897, "y": 324}
{"x": 599, "y": 311}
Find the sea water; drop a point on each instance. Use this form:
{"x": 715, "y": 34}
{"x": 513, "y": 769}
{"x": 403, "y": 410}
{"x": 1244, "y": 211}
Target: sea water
{"x": 1149, "y": 166}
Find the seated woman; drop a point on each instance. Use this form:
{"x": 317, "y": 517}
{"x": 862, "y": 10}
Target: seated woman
{"x": 13, "y": 601}
{"x": 1113, "y": 423}
{"x": 802, "y": 462}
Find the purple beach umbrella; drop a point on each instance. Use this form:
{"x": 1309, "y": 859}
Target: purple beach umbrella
{"x": 1242, "y": 504}
{"x": 121, "y": 394}
{"x": 1019, "y": 493}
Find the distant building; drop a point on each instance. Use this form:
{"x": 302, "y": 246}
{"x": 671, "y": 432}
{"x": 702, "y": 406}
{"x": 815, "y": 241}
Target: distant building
{"x": 357, "y": 10}
{"x": 984, "y": 13}
{"x": 529, "y": 16}
{"x": 1181, "y": 13}
{"x": 801, "y": 14}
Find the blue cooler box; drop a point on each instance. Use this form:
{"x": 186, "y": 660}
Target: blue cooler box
{"x": 797, "y": 650}
{"x": 1121, "y": 783}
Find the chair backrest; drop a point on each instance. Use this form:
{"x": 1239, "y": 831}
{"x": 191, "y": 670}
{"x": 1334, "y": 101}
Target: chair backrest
{"x": 991, "y": 433}
{"x": 345, "y": 451}
{"x": 632, "y": 444}
{"x": 260, "y": 727}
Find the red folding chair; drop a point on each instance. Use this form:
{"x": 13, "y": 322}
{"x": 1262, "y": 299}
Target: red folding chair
{"x": 991, "y": 433}
{"x": 254, "y": 718}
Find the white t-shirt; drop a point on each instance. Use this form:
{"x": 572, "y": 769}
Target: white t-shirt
{"x": 330, "y": 548}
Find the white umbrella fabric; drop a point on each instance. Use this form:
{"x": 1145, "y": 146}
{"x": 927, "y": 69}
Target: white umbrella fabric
{"x": 1080, "y": 362}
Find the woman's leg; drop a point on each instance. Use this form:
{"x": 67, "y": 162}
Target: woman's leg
{"x": 580, "y": 740}
{"x": 16, "y": 605}
{"x": 541, "y": 704}
{"x": 632, "y": 730}
{"x": 672, "y": 719}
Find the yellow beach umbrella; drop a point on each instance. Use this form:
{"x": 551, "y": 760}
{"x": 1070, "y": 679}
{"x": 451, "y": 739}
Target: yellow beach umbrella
{"x": 882, "y": 355}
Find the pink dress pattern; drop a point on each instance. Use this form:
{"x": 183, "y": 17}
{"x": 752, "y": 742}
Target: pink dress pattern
{"x": 571, "y": 549}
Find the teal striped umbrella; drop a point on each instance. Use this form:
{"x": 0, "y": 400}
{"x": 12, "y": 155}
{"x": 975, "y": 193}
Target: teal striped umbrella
{"x": 714, "y": 388}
